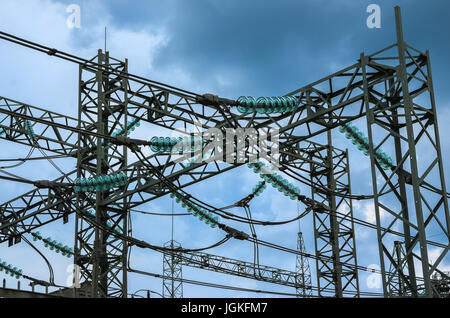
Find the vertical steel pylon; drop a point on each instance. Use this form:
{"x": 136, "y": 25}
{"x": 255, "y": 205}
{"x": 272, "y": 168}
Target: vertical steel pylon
{"x": 334, "y": 230}
{"x": 101, "y": 256}
{"x": 411, "y": 195}
{"x": 172, "y": 271}
{"x": 303, "y": 270}
{"x": 396, "y": 282}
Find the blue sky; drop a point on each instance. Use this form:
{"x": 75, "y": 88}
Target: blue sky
{"x": 230, "y": 48}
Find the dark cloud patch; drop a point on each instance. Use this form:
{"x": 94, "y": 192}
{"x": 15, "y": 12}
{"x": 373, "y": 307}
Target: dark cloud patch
{"x": 277, "y": 46}
{"x": 273, "y": 47}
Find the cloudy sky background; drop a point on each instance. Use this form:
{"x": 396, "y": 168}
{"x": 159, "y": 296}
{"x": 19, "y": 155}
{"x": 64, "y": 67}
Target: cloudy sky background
{"x": 229, "y": 48}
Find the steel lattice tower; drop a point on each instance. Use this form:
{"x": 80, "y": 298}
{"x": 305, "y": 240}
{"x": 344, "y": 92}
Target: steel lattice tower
{"x": 334, "y": 235}
{"x": 100, "y": 255}
{"x": 172, "y": 271}
{"x": 389, "y": 93}
{"x": 397, "y": 284}
{"x": 302, "y": 269}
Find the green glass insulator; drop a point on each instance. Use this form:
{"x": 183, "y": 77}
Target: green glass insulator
{"x": 294, "y": 101}
{"x": 154, "y": 143}
{"x": 160, "y": 142}
{"x": 207, "y": 220}
{"x": 242, "y": 109}
{"x": 260, "y": 105}
{"x": 390, "y": 162}
{"x": 276, "y": 104}
{"x": 252, "y": 103}
{"x": 348, "y": 135}
{"x": 90, "y": 184}
{"x": 354, "y": 130}
{"x": 361, "y": 146}
{"x": 115, "y": 181}
{"x": 124, "y": 178}
{"x": 355, "y": 141}
{"x": 121, "y": 179}
{"x": 284, "y": 105}
{"x": 107, "y": 181}
{"x": 242, "y": 100}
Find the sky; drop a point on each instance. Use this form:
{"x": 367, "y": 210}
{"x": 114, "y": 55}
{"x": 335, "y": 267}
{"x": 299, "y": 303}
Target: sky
{"x": 229, "y": 48}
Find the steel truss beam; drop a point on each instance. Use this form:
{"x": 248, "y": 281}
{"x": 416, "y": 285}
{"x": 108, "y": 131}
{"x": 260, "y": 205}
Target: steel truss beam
{"x": 407, "y": 124}
{"x": 49, "y": 127}
{"x": 334, "y": 236}
{"x": 172, "y": 272}
{"x": 302, "y": 269}
{"x": 100, "y": 255}
{"x": 224, "y": 265}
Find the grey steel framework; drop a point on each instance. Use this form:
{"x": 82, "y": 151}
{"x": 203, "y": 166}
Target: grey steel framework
{"x": 334, "y": 235}
{"x": 397, "y": 285}
{"x": 225, "y": 265}
{"x": 100, "y": 255}
{"x": 172, "y": 271}
{"x": 391, "y": 91}
{"x": 303, "y": 270}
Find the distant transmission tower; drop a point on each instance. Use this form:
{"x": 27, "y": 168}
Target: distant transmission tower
{"x": 396, "y": 280}
{"x": 172, "y": 272}
{"x": 172, "y": 267}
{"x": 302, "y": 270}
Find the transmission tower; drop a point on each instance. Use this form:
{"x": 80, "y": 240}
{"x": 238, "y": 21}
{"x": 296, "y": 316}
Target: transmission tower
{"x": 102, "y": 256}
{"x": 396, "y": 281}
{"x": 334, "y": 234}
{"x": 302, "y": 269}
{"x": 172, "y": 271}
{"x": 388, "y": 94}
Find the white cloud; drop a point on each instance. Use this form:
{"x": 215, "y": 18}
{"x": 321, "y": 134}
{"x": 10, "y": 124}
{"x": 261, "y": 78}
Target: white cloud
{"x": 368, "y": 210}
